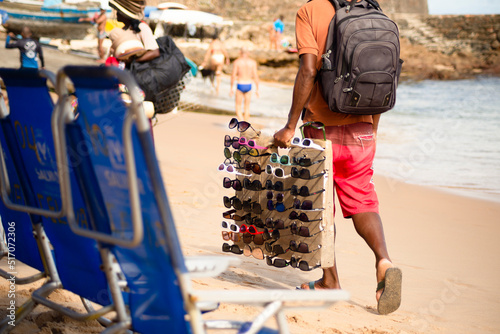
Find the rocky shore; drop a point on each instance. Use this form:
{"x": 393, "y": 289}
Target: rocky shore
{"x": 433, "y": 47}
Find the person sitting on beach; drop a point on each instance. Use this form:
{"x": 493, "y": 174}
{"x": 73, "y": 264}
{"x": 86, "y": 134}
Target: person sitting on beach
{"x": 99, "y": 19}
{"x": 130, "y": 13}
{"x": 214, "y": 59}
{"x": 353, "y": 140}
{"x": 29, "y": 48}
{"x": 244, "y": 72}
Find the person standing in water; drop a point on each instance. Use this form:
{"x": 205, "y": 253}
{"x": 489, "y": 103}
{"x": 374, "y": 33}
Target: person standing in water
{"x": 215, "y": 57}
{"x": 244, "y": 73}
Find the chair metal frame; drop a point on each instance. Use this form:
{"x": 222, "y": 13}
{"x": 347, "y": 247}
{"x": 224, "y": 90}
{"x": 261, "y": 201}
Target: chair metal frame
{"x": 54, "y": 282}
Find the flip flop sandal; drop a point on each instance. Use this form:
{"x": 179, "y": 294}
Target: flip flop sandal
{"x": 311, "y": 286}
{"x": 391, "y": 296}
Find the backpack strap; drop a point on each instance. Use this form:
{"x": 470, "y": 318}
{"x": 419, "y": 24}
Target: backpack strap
{"x": 375, "y": 4}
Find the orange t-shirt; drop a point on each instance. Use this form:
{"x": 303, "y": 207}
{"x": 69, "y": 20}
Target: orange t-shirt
{"x": 311, "y": 29}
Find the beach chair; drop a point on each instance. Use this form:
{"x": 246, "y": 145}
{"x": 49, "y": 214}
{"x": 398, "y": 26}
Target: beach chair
{"x": 73, "y": 262}
{"x": 120, "y": 168}
{"x": 17, "y": 233}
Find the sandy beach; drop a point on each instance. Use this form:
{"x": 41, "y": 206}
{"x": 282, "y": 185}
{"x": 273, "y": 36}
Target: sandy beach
{"x": 444, "y": 243}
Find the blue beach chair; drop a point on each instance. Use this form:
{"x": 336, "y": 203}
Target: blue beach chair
{"x": 16, "y": 227}
{"x": 73, "y": 262}
{"x": 119, "y": 170}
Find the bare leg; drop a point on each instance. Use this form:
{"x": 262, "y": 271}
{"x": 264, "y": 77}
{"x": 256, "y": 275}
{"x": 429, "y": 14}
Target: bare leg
{"x": 246, "y": 101}
{"x": 369, "y": 227}
{"x": 218, "y": 72}
{"x": 238, "y": 99}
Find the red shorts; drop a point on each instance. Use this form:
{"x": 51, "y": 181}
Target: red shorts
{"x": 353, "y": 150}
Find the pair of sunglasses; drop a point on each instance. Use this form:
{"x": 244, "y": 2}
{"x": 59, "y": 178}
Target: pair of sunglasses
{"x": 301, "y": 247}
{"x": 229, "y": 169}
{"x": 231, "y": 236}
{"x": 302, "y": 265}
{"x": 306, "y": 162}
{"x": 279, "y": 197}
{"x": 302, "y": 231}
{"x": 252, "y": 166}
{"x": 294, "y": 215}
{"x": 235, "y": 184}
{"x": 253, "y": 152}
{"x": 278, "y": 186}
{"x": 304, "y": 205}
{"x": 234, "y": 202}
{"x": 287, "y": 161}
{"x": 234, "y": 142}
{"x": 306, "y": 143}
{"x": 251, "y": 229}
{"x": 254, "y": 185}
{"x": 250, "y": 143}
{"x": 303, "y": 191}
{"x": 241, "y": 126}
{"x": 276, "y": 171}
{"x": 316, "y": 125}
{"x": 275, "y": 249}
{"x": 256, "y": 252}
{"x": 278, "y": 224}
{"x": 304, "y": 174}
{"x": 231, "y": 215}
{"x": 278, "y": 206}
{"x": 230, "y": 226}
{"x": 231, "y": 248}
{"x": 249, "y": 206}
{"x": 281, "y": 263}
{"x": 257, "y": 239}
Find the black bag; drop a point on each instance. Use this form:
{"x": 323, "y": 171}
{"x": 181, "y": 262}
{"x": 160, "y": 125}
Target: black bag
{"x": 161, "y": 73}
{"x": 361, "y": 64}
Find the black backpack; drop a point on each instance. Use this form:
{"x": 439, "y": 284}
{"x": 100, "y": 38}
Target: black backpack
{"x": 361, "y": 64}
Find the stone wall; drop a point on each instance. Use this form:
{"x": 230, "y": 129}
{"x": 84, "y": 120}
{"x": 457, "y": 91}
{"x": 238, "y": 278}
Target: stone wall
{"x": 267, "y": 10}
{"x": 480, "y": 32}
{"x": 404, "y": 6}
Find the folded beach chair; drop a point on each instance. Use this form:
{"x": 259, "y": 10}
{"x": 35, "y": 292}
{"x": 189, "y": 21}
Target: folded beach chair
{"x": 17, "y": 234}
{"x": 72, "y": 262}
{"x": 118, "y": 171}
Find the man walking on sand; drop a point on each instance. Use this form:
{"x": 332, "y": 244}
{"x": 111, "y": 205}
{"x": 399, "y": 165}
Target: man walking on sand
{"x": 99, "y": 19}
{"x": 353, "y": 140}
{"x": 244, "y": 73}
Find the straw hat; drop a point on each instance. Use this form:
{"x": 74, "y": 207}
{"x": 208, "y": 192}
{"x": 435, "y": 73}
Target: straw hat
{"x": 131, "y": 8}
{"x": 125, "y": 44}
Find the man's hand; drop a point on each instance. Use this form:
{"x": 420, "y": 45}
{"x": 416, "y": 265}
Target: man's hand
{"x": 283, "y": 137}
{"x": 11, "y": 34}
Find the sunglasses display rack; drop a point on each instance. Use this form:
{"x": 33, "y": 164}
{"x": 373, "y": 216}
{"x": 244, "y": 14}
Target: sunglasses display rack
{"x": 281, "y": 210}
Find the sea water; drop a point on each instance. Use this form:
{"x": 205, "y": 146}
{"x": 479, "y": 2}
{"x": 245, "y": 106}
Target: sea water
{"x": 440, "y": 133}
{"x": 445, "y": 134}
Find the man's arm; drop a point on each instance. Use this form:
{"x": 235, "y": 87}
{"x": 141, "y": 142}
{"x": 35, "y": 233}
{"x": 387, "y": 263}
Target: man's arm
{"x": 376, "y": 120}
{"x": 8, "y": 44}
{"x": 234, "y": 75}
{"x": 304, "y": 83}
{"x": 149, "y": 55}
{"x": 255, "y": 76}
{"x": 40, "y": 54}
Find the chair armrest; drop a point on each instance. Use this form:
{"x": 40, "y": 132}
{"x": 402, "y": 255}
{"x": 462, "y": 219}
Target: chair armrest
{"x": 263, "y": 297}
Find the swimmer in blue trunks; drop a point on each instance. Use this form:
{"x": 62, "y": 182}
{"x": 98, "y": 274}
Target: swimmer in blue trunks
{"x": 244, "y": 88}
{"x": 244, "y": 74}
